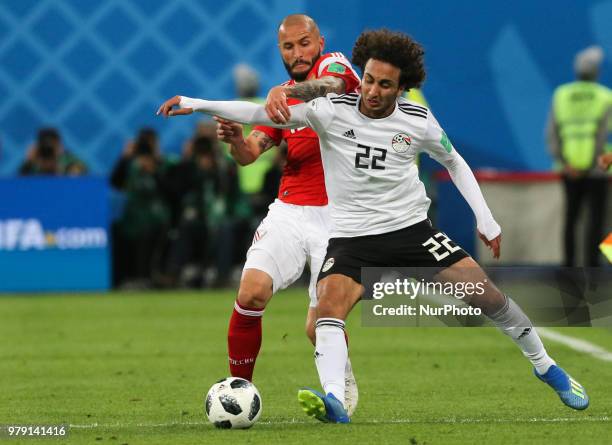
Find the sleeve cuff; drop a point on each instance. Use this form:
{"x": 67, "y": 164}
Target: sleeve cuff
{"x": 490, "y": 230}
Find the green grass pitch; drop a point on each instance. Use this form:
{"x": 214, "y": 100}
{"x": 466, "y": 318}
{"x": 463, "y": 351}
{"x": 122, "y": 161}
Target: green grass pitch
{"x": 132, "y": 368}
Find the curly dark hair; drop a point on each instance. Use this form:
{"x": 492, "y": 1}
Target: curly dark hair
{"x": 395, "y": 48}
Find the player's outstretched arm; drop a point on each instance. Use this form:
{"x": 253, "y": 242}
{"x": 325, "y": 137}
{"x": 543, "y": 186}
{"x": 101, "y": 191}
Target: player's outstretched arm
{"x": 238, "y": 111}
{"x": 463, "y": 178}
{"x": 276, "y": 102}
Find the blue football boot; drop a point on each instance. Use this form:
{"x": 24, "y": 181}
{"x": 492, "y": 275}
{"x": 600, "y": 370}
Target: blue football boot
{"x": 324, "y": 408}
{"x": 569, "y": 390}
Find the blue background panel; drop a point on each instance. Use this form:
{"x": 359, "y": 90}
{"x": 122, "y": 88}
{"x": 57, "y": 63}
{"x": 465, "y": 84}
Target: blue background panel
{"x": 98, "y": 70}
{"x": 50, "y": 271}
{"x": 54, "y": 234}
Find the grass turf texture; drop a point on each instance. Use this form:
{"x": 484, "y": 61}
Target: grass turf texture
{"x": 132, "y": 368}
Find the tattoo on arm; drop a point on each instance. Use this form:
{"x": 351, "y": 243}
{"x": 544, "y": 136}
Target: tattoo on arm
{"x": 311, "y": 89}
{"x": 264, "y": 142}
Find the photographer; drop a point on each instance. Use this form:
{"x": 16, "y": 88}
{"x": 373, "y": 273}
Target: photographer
{"x": 204, "y": 194}
{"x": 47, "y": 156}
{"x": 140, "y": 233}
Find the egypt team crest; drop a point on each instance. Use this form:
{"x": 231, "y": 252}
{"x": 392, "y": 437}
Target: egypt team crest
{"x": 401, "y": 142}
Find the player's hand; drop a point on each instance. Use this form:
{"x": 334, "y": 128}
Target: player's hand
{"x": 494, "y": 245}
{"x": 166, "y": 108}
{"x": 605, "y": 161}
{"x": 276, "y": 105}
{"x": 228, "y": 131}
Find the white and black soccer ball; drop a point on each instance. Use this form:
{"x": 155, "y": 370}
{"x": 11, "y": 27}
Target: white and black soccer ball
{"x": 233, "y": 403}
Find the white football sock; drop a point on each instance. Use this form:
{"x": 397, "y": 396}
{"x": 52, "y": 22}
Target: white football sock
{"x": 512, "y": 321}
{"x": 348, "y": 369}
{"x": 331, "y": 354}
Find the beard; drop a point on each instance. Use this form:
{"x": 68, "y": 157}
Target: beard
{"x": 299, "y": 77}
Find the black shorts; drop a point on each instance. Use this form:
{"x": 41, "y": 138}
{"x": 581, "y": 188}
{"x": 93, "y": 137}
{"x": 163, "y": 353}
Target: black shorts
{"x": 420, "y": 245}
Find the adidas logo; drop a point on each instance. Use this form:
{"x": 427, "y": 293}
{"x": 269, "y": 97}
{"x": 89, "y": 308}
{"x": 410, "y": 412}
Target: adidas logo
{"x": 525, "y": 332}
{"x": 350, "y": 134}
{"x": 576, "y": 388}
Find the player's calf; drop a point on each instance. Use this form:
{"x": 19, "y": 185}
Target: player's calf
{"x": 311, "y": 319}
{"x": 245, "y": 327}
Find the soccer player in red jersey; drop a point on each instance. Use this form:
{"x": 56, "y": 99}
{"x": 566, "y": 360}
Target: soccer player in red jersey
{"x": 296, "y": 228}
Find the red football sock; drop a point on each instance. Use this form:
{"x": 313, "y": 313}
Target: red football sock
{"x": 244, "y": 340}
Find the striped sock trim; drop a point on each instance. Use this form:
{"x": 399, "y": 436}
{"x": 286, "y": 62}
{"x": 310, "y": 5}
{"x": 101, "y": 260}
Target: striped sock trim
{"x": 334, "y": 322}
{"x": 248, "y": 312}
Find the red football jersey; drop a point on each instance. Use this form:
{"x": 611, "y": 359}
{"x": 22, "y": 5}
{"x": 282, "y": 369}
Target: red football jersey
{"x": 303, "y": 182}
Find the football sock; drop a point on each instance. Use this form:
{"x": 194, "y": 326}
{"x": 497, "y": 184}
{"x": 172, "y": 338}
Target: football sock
{"x": 244, "y": 340}
{"x": 512, "y": 321}
{"x": 331, "y": 354}
{"x": 348, "y": 369}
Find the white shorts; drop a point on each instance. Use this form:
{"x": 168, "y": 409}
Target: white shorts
{"x": 288, "y": 238}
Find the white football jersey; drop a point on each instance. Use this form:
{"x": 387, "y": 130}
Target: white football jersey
{"x": 370, "y": 164}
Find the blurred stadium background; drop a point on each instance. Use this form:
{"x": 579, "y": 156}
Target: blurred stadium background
{"x": 131, "y": 367}
{"x": 97, "y": 71}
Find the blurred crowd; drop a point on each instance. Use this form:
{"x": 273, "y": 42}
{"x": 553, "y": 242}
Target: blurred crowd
{"x": 184, "y": 220}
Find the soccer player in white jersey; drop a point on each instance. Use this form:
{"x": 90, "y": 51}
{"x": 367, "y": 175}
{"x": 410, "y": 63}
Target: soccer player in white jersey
{"x": 296, "y": 229}
{"x": 369, "y": 143}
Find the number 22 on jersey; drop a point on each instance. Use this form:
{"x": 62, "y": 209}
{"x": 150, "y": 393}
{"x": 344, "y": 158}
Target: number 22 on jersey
{"x": 436, "y": 246}
{"x": 362, "y": 157}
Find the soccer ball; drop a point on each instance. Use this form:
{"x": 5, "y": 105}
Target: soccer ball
{"x": 233, "y": 403}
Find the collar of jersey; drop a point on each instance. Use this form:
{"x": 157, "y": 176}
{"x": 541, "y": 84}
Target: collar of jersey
{"x": 377, "y": 119}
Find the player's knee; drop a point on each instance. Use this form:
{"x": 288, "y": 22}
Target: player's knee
{"x": 254, "y": 295}
{"x": 331, "y": 299}
{"x": 330, "y": 309}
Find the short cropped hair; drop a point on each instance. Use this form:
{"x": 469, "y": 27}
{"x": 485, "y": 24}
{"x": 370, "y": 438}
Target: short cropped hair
{"x": 394, "y": 48}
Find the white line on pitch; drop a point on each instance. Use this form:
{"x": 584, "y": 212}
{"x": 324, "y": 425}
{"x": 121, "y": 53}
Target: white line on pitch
{"x": 577, "y": 344}
{"x": 373, "y": 421}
